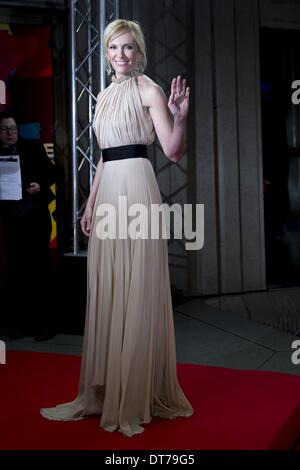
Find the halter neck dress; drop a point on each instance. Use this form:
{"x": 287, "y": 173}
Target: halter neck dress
{"x": 128, "y": 368}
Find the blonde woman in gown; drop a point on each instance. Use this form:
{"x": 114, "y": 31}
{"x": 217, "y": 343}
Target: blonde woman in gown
{"x": 128, "y": 368}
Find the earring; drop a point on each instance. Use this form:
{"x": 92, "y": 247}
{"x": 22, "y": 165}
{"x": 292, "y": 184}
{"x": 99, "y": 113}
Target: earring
{"x": 140, "y": 67}
{"x": 108, "y": 68}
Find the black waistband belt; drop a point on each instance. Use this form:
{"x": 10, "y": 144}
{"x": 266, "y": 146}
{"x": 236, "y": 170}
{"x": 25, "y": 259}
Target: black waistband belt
{"x": 124, "y": 151}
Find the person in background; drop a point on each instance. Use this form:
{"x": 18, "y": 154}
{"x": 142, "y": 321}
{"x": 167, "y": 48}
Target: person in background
{"x": 26, "y": 230}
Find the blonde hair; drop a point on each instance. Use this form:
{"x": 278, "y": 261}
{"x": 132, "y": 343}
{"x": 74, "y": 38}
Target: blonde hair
{"x": 120, "y": 26}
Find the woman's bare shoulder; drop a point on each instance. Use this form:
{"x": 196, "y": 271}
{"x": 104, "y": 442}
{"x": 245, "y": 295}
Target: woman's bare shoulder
{"x": 148, "y": 89}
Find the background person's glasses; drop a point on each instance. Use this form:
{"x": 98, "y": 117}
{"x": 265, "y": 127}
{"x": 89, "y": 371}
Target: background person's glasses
{"x": 8, "y": 129}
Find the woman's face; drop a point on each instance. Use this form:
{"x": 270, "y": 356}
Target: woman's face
{"x": 8, "y": 132}
{"x": 122, "y": 53}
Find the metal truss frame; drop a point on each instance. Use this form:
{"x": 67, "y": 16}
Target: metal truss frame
{"x": 87, "y": 21}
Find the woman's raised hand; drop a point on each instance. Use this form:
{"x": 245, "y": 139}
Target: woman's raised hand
{"x": 179, "y": 98}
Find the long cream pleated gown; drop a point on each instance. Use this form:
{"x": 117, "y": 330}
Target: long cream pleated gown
{"x": 128, "y": 369}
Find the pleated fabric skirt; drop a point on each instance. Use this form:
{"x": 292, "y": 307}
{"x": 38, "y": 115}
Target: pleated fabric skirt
{"x": 128, "y": 370}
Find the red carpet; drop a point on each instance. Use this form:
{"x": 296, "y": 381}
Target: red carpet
{"x": 233, "y": 409}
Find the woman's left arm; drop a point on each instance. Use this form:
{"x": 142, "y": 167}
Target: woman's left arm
{"x": 170, "y": 119}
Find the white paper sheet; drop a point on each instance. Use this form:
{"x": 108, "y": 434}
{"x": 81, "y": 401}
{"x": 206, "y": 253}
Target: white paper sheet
{"x": 10, "y": 178}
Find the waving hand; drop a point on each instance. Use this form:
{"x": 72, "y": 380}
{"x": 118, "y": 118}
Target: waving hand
{"x": 179, "y": 98}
